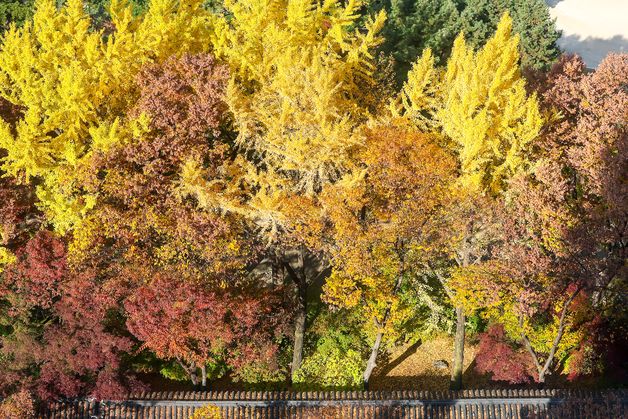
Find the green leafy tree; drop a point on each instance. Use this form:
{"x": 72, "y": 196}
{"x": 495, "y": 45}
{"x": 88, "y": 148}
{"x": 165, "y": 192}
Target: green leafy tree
{"x": 337, "y": 358}
{"x": 15, "y": 11}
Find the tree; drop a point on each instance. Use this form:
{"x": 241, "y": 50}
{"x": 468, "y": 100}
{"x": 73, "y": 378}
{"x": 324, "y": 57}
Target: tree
{"x": 486, "y": 111}
{"x": 474, "y": 230}
{"x": 562, "y": 249}
{"x": 301, "y": 86}
{"x": 533, "y": 307}
{"x": 60, "y": 337}
{"x": 590, "y": 143}
{"x": 539, "y": 36}
{"x": 386, "y": 224}
{"x": 479, "y": 102}
{"x": 582, "y": 162}
{"x": 413, "y": 26}
{"x": 531, "y": 20}
{"x": 480, "y": 19}
{"x": 539, "y": 293}
{"x": 18, "y": 217}
{"x": 67, "y": 80}
{"x": 337, "y": 360}
{"x": 497, "y": 356}
{"x": 147, "y": 227}
{"x": 18, "y": 405}
{"x": 198, "y": 323}
{"x": 416, "y": 25}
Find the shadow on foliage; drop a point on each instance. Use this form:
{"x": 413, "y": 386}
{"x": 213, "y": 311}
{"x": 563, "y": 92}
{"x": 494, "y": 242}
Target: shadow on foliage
{"x": 552, "y": 3}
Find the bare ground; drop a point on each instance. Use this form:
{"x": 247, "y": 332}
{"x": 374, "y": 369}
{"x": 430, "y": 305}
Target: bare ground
{"x": 411, "y": 367}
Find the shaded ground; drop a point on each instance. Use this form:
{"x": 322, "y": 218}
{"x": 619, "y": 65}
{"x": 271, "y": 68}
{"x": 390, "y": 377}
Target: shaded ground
{"x": 411, "y": 367}
{"x": 408, "y": 367}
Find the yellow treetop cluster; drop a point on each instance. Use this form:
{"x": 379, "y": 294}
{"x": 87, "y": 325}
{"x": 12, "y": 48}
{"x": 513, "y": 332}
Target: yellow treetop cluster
{"x": 301, "y": 90}
{"x": 301, "y": 73}
{"x": 69, "y": 79}
{"x": 479, "y": 101}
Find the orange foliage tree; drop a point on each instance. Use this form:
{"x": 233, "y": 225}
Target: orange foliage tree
{"x": 386, "y": 223}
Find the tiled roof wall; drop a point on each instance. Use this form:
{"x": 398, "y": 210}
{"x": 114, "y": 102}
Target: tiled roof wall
{"x": 402, "y": 404}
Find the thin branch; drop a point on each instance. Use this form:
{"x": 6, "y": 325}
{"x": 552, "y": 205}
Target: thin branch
{"x": 528, "y": 346}
{"x": 561, "y": 330}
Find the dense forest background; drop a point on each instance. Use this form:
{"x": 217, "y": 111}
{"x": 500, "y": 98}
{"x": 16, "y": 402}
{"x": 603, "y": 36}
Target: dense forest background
{"x": 286, "y": 193}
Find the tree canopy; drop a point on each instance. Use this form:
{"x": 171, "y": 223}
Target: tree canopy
{"x": 210, "y": 190}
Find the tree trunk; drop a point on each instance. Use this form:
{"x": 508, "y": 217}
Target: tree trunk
{"x": 204, "y": 376}
{"x": 299, "y": 334}
{"x": 372, "y": 362}
{"x": 191, "y": 370}
{"x": 193, "y": 374}
{"x": 299, "y": 277}
{"x": 458, "y": 361}
{"x": 542, "y": 377}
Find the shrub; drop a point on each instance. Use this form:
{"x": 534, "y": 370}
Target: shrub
{"x": 501, "y": 359}
{"x": 208, "y": 411}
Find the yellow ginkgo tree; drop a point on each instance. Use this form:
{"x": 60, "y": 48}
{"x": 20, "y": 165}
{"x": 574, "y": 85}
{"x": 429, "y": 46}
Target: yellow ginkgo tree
{"x": 301, "y": 87}
{"x": 68, "y": 79}
{"x": 480, "y": 104}
{"x": 302, "y": 82}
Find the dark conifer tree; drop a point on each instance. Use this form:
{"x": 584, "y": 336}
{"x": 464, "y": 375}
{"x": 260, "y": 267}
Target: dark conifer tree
{"x": 531, "y": 19}
{"x": 414, "y": 25}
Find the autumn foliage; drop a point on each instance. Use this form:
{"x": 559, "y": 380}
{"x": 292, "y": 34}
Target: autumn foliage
{"x": 498, "y": 358}
{"x": 217, "y": 190}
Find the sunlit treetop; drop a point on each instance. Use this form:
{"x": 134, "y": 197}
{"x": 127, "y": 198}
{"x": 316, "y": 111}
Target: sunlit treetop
{"x": 302, "y": 82}
{"x": 480, "y": 102}
{"x": 68, "y": 79}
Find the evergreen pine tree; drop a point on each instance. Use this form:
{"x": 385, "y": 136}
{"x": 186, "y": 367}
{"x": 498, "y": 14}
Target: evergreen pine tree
{"x": 532, "y": 21}
{"x": 17, "y": 11}
{"x": 414, "y": 25}
{"x": 479, "y": 19}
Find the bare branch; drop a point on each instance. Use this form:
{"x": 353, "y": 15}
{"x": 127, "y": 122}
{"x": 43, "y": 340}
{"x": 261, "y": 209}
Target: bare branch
{"x": 561, "y": 330}
{"x": 528, "y": 346}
